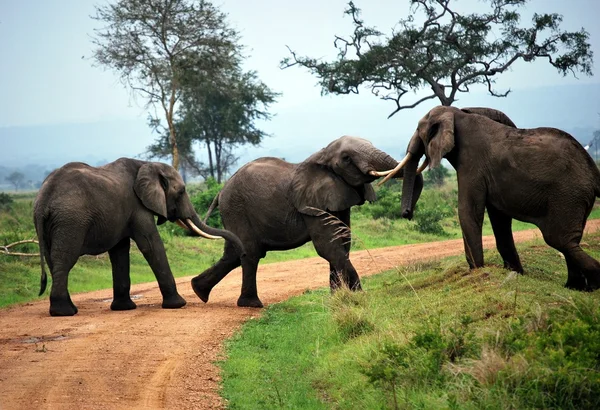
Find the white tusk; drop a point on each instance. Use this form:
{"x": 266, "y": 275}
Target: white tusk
{"x": 398, "y": 168}
{"x": 200, "y": 232}
{"x": 380, "y": 173}
{"x": 180, "y": 223}
{"x": 423, "y": 166}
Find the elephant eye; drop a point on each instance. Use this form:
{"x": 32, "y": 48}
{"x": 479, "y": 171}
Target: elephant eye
{"x": 346, "y": 158}
{"x": 432, "y": 132}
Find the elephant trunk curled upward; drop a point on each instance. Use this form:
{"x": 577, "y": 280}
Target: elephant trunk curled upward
{"x": 271, "y": 204}
{"x": 82, "y": 210}
{"x": 541, "y": 175}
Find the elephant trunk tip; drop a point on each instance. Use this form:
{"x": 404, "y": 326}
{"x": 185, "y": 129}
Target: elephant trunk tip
{"x": 407, "y": 214}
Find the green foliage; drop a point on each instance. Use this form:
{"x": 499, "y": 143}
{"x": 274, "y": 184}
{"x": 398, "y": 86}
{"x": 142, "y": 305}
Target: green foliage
{"x": 387, "y": 204}
{"x": 436, "y": 176}
{"x": 157, "y": 48}
{"x": 202, "y": 200}
{"x": 433, "y": 207}
{"x": 449, "y": 51}
{"x": 5, "y": 201}
{"x": 349, "y": 313}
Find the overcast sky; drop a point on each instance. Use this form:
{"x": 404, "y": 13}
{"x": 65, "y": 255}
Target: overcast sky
{"x": 49, "y": 83}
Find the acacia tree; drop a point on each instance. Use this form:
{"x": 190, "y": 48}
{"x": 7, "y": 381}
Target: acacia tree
{"x": 155, "y": 45}
{"x": 16, "y": 178}
{"x": 447, "y": 53}
{"x": 220, "y": 113}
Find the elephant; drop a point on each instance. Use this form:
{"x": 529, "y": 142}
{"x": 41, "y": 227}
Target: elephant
{"x": 540, "y": 175}
{"x": 84, "y": 210}
{"x": 271, "y": 204}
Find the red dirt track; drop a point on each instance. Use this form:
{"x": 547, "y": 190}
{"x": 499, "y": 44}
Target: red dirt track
{"x": 153, "y": 358}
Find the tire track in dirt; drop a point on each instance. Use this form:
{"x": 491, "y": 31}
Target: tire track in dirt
{"x": 155, "y": 358}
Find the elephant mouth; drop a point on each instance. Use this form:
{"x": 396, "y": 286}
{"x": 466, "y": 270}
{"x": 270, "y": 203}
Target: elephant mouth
{"x": 189, "y": 225}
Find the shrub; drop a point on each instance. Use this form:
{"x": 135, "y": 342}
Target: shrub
{"x": 202, "y": 200}
{"x": 433, "y": 207}
{"x": 5, "y": 201}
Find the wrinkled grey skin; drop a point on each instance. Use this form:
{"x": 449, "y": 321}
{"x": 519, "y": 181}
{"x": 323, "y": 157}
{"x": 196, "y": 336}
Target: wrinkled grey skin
{"x": 271, "y": 204}
{"x": 541, "y": 175}
{"x": 82, "y": 210}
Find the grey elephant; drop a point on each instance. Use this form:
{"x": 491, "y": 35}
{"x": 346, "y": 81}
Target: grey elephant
{"x": 83, "y": 210}
{"x": 271, "y": 204}
{"x": 541, "y": 175}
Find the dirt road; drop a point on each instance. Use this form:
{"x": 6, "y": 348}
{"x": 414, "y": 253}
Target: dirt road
{"x": 152, "y": 358}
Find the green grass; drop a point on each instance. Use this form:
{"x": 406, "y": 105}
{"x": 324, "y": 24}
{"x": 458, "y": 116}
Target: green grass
{"x": 429, "y": 336}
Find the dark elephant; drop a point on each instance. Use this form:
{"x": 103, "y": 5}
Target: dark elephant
{"x": 82, "y": 210}
{"x": 271, "y": 204}
{"x": 540, "y": 175}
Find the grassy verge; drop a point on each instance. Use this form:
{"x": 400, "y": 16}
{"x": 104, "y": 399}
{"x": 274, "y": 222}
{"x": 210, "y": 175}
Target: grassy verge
{"x": 429, "y": 336}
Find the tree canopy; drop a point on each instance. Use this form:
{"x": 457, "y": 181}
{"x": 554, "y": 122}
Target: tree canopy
{"x": 219, "y": 113}
{"x": 158, "y": 45}
{"x": 16, "y": 178}
{"x": 446, "y": 52}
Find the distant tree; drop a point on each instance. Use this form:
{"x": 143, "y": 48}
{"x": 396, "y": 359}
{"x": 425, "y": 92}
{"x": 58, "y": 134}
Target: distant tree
{"x": 447, "y": 53}
{"x": 436, "y": 176}
{"x": 156, "y": 45}
{"x": 16, "y": 178}
{"x": 219, "y": 114}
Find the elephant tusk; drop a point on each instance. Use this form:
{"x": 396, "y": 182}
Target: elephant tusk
{"x": 380, "y": 173}
{"x": 398, "y": 168}
{"x": 423, "y": 166}
{"x": 180, "y": 223}
{"x": 200, "y": 232}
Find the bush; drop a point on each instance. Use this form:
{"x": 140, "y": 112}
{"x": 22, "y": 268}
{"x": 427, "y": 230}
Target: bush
{"x": 433, "y": 207}
{"x": 202, "y": 200}
{"x": 5, "y": 201}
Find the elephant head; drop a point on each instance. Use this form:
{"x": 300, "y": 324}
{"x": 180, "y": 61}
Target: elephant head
{"x": 434, "y": 138}
{"x": 339, "y": 176}
{"x": 162, "y": 190}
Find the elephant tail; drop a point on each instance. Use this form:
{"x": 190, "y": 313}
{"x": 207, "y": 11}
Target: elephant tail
{"x": 39, "y": 227}
{"x": 212, "y": 207}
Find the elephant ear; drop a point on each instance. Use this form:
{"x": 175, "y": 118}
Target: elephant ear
{"x": 149, "y": 187}
{"x": 440, "y": 136}
{"x": 315, "y": 188}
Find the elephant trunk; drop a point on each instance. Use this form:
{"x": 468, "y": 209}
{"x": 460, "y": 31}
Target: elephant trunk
{"x": 411, "y": 188}
{"x": 383, "y": 162}
{"x": 215, "y": 232}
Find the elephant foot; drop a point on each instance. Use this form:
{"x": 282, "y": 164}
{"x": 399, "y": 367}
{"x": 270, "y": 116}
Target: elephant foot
{"x": 253, "y": 302}
{"x": 173, "y": 302}
{"x": 200, "y": 288}
{"x": 122, "y": 304}
{"x": 580, "y": 282}
{"x": 62, "y": 307}
{"x": 513, "y": 268}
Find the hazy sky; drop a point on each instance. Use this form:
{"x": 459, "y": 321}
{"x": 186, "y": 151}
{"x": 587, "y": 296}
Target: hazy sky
{"x": 49, "y": 83}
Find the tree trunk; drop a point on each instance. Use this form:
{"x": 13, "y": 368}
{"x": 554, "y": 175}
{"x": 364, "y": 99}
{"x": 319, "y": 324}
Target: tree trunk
{"x": 210, "y": 159}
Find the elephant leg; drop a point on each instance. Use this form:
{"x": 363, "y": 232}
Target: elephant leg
{"x": 153, "y": 250}
{"x": 249, "y": 295}
{"x": 501, "y": 225}
{"x": 62, "y": 259}
{"x": 583, "y": 270}
{"x": 119, "y": 259}
{"x": 334, "y": 246}
{"x": 336, "y": 278}
{"x": 471, "y": 208}
{"x": 204, "y": 283}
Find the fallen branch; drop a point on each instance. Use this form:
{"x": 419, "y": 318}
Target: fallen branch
{"x": 6, "y": 248}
